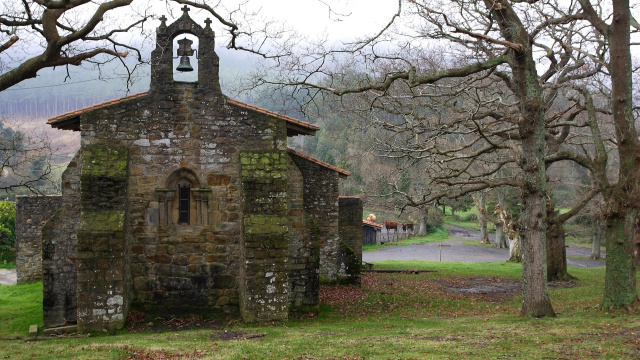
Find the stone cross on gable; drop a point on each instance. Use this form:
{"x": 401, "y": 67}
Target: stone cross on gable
{"x": 163, "y": 20}
{"x": 185, "y": 9}
{"x": 207, "y": 28}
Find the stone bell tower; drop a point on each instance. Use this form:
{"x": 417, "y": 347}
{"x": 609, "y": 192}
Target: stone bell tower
{"x": 162, "y": 56}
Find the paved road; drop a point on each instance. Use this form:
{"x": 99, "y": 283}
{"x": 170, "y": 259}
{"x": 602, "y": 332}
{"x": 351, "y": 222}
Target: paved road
{"x": 8, "y": 277}
{"x": 458, "y": 251}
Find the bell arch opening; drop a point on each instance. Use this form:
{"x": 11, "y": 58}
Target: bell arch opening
{"x": 185, "y": 59}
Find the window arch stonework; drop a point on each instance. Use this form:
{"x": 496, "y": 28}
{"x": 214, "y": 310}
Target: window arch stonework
{"x": 183, "y": 202}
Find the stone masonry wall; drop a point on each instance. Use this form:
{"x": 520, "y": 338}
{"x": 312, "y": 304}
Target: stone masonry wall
{"x": 32, "y": 212}
{"x": 321, "y": 190}
{"x": 232, "y": 255}
{"x": 102, "y": 251}
{"x": 350, "y": 228}
{"x": 264, "y": 285}
{"x": 178, "y": 268}
{"x": 304, "y": 250}
{"x": 59, "y": 246}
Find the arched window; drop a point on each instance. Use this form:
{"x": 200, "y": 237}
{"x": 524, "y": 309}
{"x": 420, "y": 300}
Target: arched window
{"x": 182, "y": 201}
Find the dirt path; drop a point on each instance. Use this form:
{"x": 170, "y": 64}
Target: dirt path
{"x": 455, "y": 250}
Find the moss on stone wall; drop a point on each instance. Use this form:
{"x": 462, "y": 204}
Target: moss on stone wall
{"x": 105, "y": 161}
{"x": 265, "y": 224}
{"x": 110, "y": 220}
{"x": 352, "y": 263}
{"x": 263, "y": 166}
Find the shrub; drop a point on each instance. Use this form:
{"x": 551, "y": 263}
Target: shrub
{"x": 472, "y": 218}
{"x": 434, "y": 221}
{"x": 7, "y": 231}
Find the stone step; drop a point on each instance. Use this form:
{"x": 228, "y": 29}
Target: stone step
{"x": 61, "y": 330}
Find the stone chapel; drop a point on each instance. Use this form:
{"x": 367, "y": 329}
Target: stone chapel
{"x": 181, "y": 200}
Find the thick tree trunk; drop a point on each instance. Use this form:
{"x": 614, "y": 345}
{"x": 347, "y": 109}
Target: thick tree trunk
{"x": 556, "y": 253}
{"x": 478, "y": 199}
{"x": 620, "y": 275}
{"x": 424, "y": 213}
{"x": 501, "y": 240}
{"x": 531, "y": 127}
{"x": 515, "y": 250}
{"x": 535, "y": 302}
{"x": 622, "y": 200}
{"x": 556, "y": 250}
{"x": 597, "y": 239}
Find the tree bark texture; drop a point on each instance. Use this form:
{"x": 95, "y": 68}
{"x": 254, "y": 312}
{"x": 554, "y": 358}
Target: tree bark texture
{"x": 515, "y": 249}
{"x": 424, "y": 213}
{"x": 478, "y": 199}
{"x": 501, "y": 242}
{"x": 622, "y": 200}
{"x": 531, "y": 126}
{"x": 597, "y": 239}
{"x": 620, "y": 282}
{"x": 556, "y": 250}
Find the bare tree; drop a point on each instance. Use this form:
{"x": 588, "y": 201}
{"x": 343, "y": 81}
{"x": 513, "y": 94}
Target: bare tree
{"x": 40, "y": 34}
{"x": 25, "y": 160}
{"x": 621, "y": 198}
{"x": 479, "y": 200}
{"x": 493, "y": 44}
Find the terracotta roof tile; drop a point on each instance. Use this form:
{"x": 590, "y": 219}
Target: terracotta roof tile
{"x": 288, "y": 119}
{"x": 342, "y": 172}
{"x": 372, "y": 224}
{"x": 62, "y": 121}
{"x": 68, "y": 116}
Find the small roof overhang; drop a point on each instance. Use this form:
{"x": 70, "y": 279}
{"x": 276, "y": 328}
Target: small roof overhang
{"x": 343, "y": 173}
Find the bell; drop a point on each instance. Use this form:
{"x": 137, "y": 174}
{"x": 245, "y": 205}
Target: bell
{"x": 185, "y": 65}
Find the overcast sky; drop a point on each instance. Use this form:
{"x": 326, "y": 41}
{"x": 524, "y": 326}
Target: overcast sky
{"x": 346, "y": 21}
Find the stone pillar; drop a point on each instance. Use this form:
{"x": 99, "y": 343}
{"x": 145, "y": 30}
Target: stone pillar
{"x": 102, "y": 259}
{"x": 350, "y": 229}
{"x": 59, "y": 240}
{"x": 321, "y": 190}
{"x": 32, "y": 212}
{"x": 304, "y": 250}
{"x": 264, "y": 286}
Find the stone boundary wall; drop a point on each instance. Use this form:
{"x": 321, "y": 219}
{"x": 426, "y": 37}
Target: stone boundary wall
{"x": 32, "y": 212}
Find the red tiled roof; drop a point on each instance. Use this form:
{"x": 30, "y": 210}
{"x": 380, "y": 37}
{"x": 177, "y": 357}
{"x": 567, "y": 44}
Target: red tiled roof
{"x": 341, "y": 172}
{"x": 302, "y": 127}
{"x": 70, "y": 120}
{"x": 372, "y": 224}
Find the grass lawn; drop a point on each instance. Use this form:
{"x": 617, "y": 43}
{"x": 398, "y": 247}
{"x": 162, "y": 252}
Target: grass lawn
{"x": 9, "y": 265}
{"x": 471, "y": 225}
{"x": 392, "y": 316}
